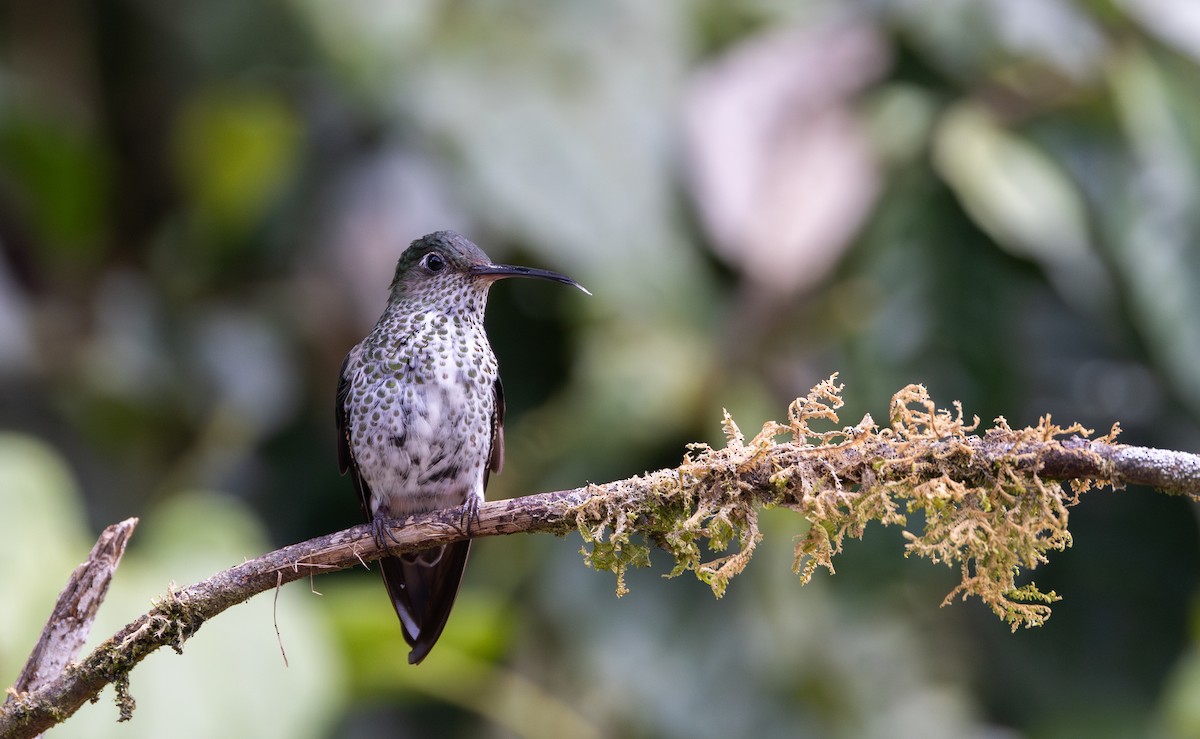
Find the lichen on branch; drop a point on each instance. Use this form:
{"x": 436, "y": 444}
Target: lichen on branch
{"x": 979, "y": 503}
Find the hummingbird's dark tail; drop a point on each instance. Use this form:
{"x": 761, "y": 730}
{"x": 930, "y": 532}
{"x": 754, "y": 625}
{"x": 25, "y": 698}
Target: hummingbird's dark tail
{"x": 422, "y": 586}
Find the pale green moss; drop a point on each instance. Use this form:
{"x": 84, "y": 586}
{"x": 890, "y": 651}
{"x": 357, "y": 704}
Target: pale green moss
{"x": 992, "y": 518}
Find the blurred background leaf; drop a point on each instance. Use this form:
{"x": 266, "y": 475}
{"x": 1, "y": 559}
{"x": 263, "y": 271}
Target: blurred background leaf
{"x": 200, "y": 206}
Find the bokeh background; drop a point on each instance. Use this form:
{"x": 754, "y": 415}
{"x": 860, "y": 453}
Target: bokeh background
{"x": 201, "y": 204}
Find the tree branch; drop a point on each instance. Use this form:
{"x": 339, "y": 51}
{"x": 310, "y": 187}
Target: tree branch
{"x": 973, "y": 490}
{"x": 180, "y": 613}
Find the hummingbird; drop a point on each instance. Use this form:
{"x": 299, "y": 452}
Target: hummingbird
{"x": 420, "y": 416}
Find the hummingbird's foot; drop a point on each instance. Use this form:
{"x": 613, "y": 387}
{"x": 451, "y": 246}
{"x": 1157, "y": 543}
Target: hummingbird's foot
{"x": 381, "y": 532}
{"x": 470, "y": 514}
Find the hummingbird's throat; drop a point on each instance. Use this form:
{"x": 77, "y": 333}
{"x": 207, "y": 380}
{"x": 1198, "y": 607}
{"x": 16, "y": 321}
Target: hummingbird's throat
{"x": 459, "y": 299}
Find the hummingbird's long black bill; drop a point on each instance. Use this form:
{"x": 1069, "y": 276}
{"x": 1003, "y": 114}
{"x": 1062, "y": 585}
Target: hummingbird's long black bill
{"x": 499, "y": 271}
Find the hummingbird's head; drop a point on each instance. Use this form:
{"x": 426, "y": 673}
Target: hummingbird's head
{"x": 444, "y": 267}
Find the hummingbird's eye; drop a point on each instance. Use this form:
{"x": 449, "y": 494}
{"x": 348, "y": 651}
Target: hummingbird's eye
{"x": 434, "y": 262}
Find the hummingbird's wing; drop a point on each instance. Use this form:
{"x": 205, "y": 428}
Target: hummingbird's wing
{"x": 496, "y": 455}
{"x": 346, "y": 461}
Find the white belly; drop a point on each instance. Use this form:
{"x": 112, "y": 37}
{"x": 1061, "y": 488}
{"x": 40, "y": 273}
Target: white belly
{"x": 421, "y": 446}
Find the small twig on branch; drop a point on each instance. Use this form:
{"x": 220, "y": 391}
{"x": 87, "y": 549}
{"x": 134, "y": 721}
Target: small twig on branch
{"x": 992, "y": 504}
{"x": 71, "y": 620}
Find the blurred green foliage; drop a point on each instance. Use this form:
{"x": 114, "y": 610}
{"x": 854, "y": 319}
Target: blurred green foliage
{"x": 200, "y": 206}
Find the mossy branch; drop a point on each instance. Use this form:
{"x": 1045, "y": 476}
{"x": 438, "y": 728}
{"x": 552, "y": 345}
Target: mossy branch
{"x": 991, "y": 504}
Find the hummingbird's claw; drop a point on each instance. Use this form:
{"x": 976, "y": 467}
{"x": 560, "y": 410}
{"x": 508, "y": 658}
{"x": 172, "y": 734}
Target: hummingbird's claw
{"x": 470, "y": 514}
{"x": 381, "y": 532}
